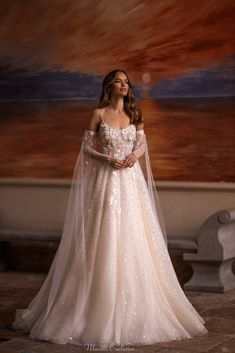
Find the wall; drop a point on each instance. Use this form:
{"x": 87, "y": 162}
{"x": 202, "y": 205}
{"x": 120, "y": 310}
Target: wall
{"x": 41, "y": 204}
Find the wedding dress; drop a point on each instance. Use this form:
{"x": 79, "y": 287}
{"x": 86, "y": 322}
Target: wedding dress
{"x": 111, "y": 281}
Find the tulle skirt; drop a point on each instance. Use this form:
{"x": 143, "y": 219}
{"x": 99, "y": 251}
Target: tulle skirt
{"x": 132, "y": 294}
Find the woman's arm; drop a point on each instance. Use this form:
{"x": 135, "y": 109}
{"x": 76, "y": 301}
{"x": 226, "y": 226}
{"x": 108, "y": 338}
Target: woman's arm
{"x": 138, "y": 148}
{"x": 89, "y": 139}
{"x": 139, "y": 145}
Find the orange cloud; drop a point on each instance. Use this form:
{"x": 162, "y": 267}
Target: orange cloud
{"x": 160, "y": 38}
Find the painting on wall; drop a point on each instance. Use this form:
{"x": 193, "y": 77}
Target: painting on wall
{"x": 180, "y": 57}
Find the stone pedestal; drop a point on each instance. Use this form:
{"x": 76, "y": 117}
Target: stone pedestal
{"x": 212, "y": 264}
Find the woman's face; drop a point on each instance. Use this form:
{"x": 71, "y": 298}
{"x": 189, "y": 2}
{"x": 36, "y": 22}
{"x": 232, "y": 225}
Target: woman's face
{"x": 120, "y": 85}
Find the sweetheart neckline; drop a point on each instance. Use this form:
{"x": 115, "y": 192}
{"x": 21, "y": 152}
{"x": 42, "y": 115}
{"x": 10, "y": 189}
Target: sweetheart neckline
{"x": 113, "y": 128}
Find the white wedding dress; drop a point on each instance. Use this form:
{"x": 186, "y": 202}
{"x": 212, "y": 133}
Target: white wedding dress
{"x": 111, "y": 281}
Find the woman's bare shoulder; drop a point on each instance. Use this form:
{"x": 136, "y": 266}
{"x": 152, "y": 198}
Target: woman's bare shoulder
{"x": 95, "y": 113}
{"x": 94, "y": 120}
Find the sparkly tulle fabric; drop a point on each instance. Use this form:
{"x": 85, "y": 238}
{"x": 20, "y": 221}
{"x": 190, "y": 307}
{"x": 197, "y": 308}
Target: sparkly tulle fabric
{"x": 111, "y": 281}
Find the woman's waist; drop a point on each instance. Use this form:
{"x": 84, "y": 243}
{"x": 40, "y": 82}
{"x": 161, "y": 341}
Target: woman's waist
{"x": 121, "y": 155}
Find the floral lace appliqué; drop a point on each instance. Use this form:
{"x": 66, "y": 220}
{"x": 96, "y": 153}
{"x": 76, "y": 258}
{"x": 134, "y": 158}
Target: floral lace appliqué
{"x": 117, "y": 143}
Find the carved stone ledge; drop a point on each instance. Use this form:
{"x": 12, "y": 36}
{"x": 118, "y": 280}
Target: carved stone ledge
{"x": 212, "y": 263}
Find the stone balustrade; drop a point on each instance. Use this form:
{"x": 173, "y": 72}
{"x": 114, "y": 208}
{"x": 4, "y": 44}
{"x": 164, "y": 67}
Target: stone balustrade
{"x": 212, "y": 263}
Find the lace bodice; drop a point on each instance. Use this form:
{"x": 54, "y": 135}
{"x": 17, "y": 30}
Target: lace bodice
{"x": 117, "y": 143}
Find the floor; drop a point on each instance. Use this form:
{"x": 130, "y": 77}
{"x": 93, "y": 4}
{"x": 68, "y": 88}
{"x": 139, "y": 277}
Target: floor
{"x": 18, "y": 288}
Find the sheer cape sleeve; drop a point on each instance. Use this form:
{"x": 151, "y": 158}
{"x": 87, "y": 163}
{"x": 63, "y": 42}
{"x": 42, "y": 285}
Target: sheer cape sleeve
{"x": 141, "y": 151}
{"x": 74, "y": 238}
{"x": 70, "y": 258}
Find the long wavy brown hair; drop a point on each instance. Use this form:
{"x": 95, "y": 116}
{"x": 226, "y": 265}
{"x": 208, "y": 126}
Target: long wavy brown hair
{"x": 130, "y": 107}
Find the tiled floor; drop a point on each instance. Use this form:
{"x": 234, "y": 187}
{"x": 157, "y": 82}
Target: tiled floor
{"x": 17, "y": 289}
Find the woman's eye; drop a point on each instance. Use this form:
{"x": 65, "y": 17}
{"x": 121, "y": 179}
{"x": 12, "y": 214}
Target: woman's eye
{"x": 118, "y": 81}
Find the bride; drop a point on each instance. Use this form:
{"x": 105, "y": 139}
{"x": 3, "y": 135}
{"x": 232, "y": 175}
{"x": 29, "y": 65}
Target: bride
{"x": 111, "y": 281}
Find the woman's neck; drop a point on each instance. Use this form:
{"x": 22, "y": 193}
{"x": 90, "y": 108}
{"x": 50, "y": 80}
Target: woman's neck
{"x": 117, "y": 105}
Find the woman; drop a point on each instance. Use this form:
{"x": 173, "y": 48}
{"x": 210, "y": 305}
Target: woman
{"x": 111, "y": 281}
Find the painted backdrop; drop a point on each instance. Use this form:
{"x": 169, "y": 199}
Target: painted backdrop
{"x": 180, "y": 56}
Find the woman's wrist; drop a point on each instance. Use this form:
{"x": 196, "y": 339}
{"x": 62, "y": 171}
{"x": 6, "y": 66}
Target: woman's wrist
{"x": 136, "y": 157}
{"x": 109, "y": 159}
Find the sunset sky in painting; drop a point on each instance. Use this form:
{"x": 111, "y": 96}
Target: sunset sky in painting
{"x": 159, "y": 38}
{"x": 54, "y": 54}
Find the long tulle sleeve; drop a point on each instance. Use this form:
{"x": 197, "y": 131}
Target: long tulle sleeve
{"x": 89, "y": 146}
{"x": 139, "y": 145}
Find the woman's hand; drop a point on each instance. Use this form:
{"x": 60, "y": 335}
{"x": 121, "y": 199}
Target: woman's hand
{"x": 116, "y": 163}
{"x": 130, "y": 161}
